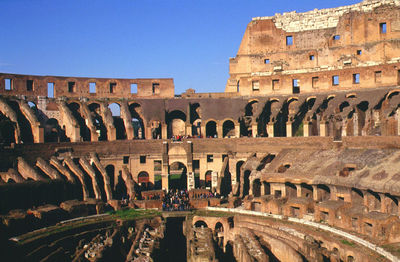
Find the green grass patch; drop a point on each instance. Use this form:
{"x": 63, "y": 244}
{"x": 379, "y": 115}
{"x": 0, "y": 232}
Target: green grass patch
{"x": 346, "y": 242}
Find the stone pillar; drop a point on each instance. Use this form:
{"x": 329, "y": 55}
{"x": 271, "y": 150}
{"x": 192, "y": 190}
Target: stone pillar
{"x": 333, "y": 195}
{"x": 289, "y": 129}
{"x": 214, "y": 180}
{"x": 41, "y": 135}
{"x": 254, "y": 128}
{"x": 219, "y": 130}
{"x": 190, "y": 181}
{"x": 237, "y": 130}
{"x": 299, "y": 190}
{"x": 306, "y": 128}
{"x": 147, "y": 132}
{"x": 189, "y": 129}
{"x": 203, "y": 130}
{"x": 315, "y": 193}
{"x": 355, "y": 124}
{"x": 344, "y": 127}
{"x": 383, "y": 202}
{"x": 323, "y": 127}
{"x": 164, "y": 131}
{"x": 164, "y": 181}
{"x": 262, "y": 189}
{"x": 270, "y": 129}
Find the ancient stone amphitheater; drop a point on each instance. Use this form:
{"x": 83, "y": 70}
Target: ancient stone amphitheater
{"x": 302, "y": 150}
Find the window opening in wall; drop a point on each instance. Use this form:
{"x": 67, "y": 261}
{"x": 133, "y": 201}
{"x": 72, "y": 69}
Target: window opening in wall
{"x": 50, "y": 90}
{"x": 142, "y": 159}
{"x": 378, "y": 75}
{"x": 382, "y": 27}
{"x": 336, "y": 37}
{"x": 356, "y": 78}
{"x": 157, "y": 165}
{"x": 312, "y": 57}
{"x": 210, "y": 158}
{"x": 266, "y": 61}
{"x": 156, "y": 88}
{"x": 289, "y": 40}
{"x": 296, "y": 86}
{"x": 133, "y": 88}
{"x": 126, "y": 160}
{"x": 359, "y": 52}
{"x": 278, "y": 193}
{"x": 92, "y": 88}
{"x": 275, "y": 84}
{"x": 29, "y": 85}
{"x": 315, "y": 82}
{"x": 341, "y": 198}
{"x": 112, "y": 87}
{"x": 71, "y": 87}
{"x": 283, "y": 168}
{"x": 256, "y": 85}
{"x": 7, "y": 83}
{"x": 335, "y": 80}
{"x": 223, "y": 157}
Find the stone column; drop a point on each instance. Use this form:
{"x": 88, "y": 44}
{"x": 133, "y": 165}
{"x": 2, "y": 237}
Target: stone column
{"x": 333, "y": 195}
{"x": 299, "y": 190}
{"x": 270, "y": 129}
{"x": 323, "y": 127}
{"x": 237, "y": 130}
{"x": 189, "y": 129}
{"x": 164, "y": 130}
{"x": 203, "y": 130}
{"x": 219, "y": 130}
{"x": 254, "y": 128}
{"x": 383, "y": 202}
{"x": 289, "y": 129}
{"x": 306, "y": 128}
{"x": 315, "y": 193}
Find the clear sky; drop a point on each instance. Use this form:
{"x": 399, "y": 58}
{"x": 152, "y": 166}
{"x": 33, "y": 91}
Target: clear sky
{"x": 188, "y": 40}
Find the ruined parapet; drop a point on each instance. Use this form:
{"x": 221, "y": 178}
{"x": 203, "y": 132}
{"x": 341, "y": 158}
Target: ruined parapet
{"x": 106, "y": 179}
{"x": 74, "y": 168}
{"x": 126, "y": 116}
{"x": 10, "y": 113}
{"x": 247, "y": 248}
{"x": 89, "y": 121}
{"x": 90, "y": 171}
{"x": 108, "y": 120}
{"x": 67, "y": 119}
{"x": 46, "y": 168}
{"x": 130, "y": 183}
{"x": 37, "y": 129}
{"x": 200, "y": 244}
{"x": 27, "y": 171}
{"x": 54, "y": 162}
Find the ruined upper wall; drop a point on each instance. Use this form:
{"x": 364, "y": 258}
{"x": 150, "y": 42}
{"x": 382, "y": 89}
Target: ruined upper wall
{"x": 29, "y": 85}
{"x": 357, "y": 45}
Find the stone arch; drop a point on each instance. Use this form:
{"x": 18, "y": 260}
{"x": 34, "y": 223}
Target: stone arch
{"x": 291, "y": 190}
{"x": 8, "y": 130}
{"x": 53, "y": 131}
{"x": 219, "y": 234}
{"x": 306, "y": 190}
{"x": 156, "y": 128}
{"x": 211, "y": 128}
{"x": 228, "y": 128}
{"x": 143, "y": 179}
{"x": 357, "y": 197}
{"x": 95, "y": 112}
{"x": 323, "y": 192}
{"x": 391, "y": 204}
{"x": 119, "y": 125}
{"x": 177, "y": 178}
{"x": 75, "y": 109}
{"x": 137, "y": 120}
{"x": 374, "y": 200}
{"x": 176, "y": 123}
{"x": 25, "y": 126}
{"x": 200, "y": 223}
{"x": 251, "y": 107}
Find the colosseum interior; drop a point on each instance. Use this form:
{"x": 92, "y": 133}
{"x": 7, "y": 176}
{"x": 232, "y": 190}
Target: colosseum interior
{"x": 301, "y": 153}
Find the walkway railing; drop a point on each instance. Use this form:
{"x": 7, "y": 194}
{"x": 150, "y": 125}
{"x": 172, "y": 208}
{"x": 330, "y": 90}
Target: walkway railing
{"x": 356, "y": 239}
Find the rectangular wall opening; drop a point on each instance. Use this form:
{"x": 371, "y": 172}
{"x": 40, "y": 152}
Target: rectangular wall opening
{"x": 289, "y": 40}
{"x": 210, "y": 158}
{"x": 336, "y": 37}
{"x": 156, "y": 88}
{"x": 71, "y": 87}
{"x": 382, "y": 28}
{"x": 335, "y": 80}
{"x": 142, "y": 159}
{"x": 266, "y": 61}
{"x": 356, "y": 78}
{"x": 296, "y": 86}
{"x": 7, "y": 84}
{"x": 92, "y": 88}
{"x": 133, "y": 88}
{"x": 29, "y": 85}
{"x": 255, "y": 85}
{"x": 275, "y": 84}
{"x": 315, "y": 82}
{"x": 113, "y": 87}
{"x": 50, "y": 90}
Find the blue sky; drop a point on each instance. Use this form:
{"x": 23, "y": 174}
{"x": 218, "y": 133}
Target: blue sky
{"x": 188, "y": 40}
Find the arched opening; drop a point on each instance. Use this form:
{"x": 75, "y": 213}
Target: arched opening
{"x": 76, "y": 112}
{"x": 200, "y": 223}
{"x": 156, "y": 129}
{"x": 238, "y": 170}
{"x": 144, "y": 181}
{"x": 137, "y": 120}
{"x": 350, "y": 259}
{"x": 11, "y": 181}
{"x": 177, "y": 178}
{"x": 357, "y": 197}
{"x": 118, "y": 121}
{"x": 208, "y": 178}
{"x": 98, "y": 121}
{"x": 266, "y": 160}
{"x": 121, "y": 190}
{"x": 7, "y": 130}
{"x": 374, "y": 201}
{"x": 176, "y": 121}
{"x": 110, "y": 170}
{"x": 306, "y": 190}
{"x": 228, "y": 129}
{"x": 53, "y": 131}
{"x": 392, "y": 204}
{"x": 211, "y": 129}
{"x": 218, "y": 234}
{"x": 246, "y": 182}
{"x": 291, "y": 190}
{"x": 324, "y": 193}
{"x": 257, "y": 188}
{"x": 24, "y": 125}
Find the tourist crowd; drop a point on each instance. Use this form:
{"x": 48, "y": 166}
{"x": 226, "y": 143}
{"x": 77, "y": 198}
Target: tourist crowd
{"x": 176, "y": 200}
